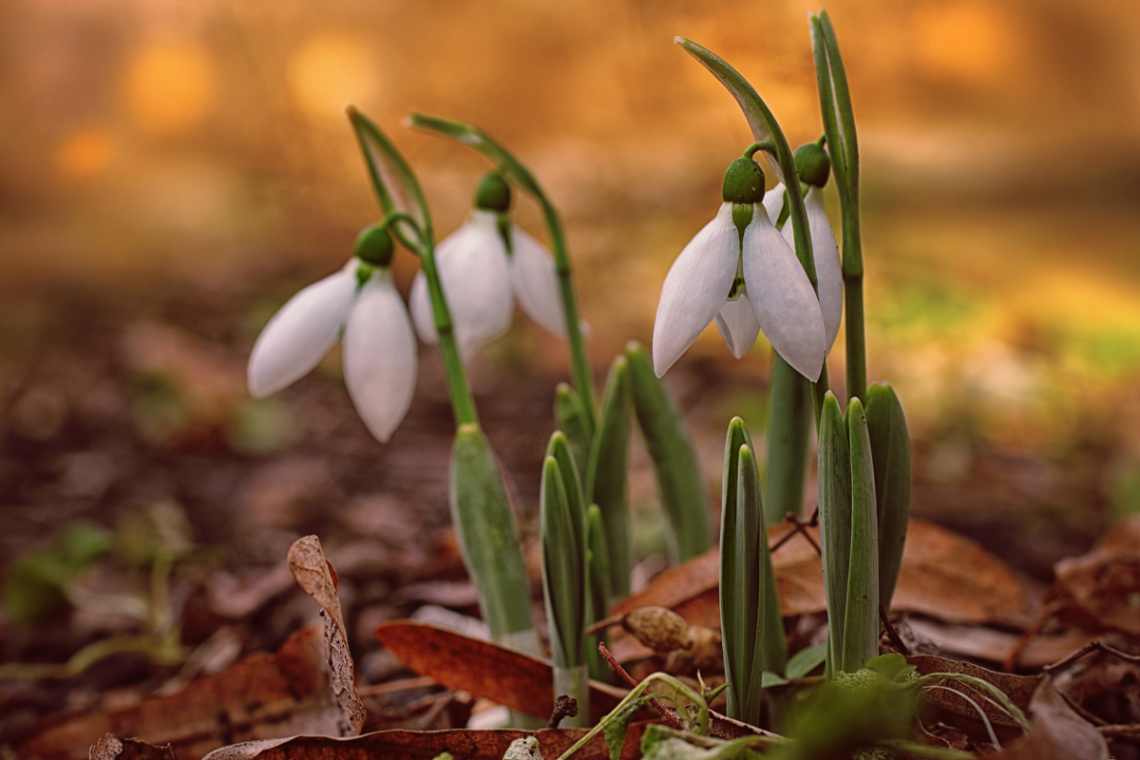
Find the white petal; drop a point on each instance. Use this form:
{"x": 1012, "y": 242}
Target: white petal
{"x": 536, "y": 282}
{"x": 695, "y": 289}
{"x": 738, "y": 326}
{"x": 782, "y": 296}
{"x": 380, "y": 362}
{"x": 420, "y": 305}
{"x": 301, "y": 333}
{"x": 774, "y": 203}
{"x": 476, "y": 279}
{"x": 828, "y": 273}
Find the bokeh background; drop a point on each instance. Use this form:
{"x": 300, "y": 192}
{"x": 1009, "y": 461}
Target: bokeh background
{"x": 171, "y": 171}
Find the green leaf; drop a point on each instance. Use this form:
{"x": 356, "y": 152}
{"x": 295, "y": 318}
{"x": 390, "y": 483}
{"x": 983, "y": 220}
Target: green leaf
{"x": 488, "y": 535}
{"x": 743, "y": 586}
{"x": 789, "y": 430}
{"x": 598, "y": 596}
{"x": 861, "y": 618}
{"x": 679, "y": 480}
{"x": 834, "y": 519}
{"x": 835, "y": 103}
{"x": 563, "y": 567}
{"x": 571, "y": 418}
{"x": 393, "y": 180}
{"x": 476, "y": 138}
{"x": 617, "y": 725}
{"x": 890, "y": 451}
{"x": 607, "y": 483}
{"x": 806, "y": 660}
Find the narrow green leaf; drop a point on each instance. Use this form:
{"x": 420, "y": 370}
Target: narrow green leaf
{"x": 476, "y": 138}
{"x": 392, "y": 179}
{"x": 571, "y": 418}
{"x": 834, "y": 519}
{"x": 790, "y": 420}
{"x": 563, "y": 569}
{"x": 806, "y": 660}
{"x": 890, "y": 451}
{"x": 841, "y": 95}
{"x": 488, "y": 535}
{"x": 861, "y": 624}
{"x": 739, "y": 571}
{"x": 598, "y": 596}
{"x": 559, "y": 448}
{"x": 607, "y": 483}
{"x": 679, "y": 480}
{"x": 750, "y": 521}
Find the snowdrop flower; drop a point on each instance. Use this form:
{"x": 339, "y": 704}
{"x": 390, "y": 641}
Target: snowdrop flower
{"x": 814, "y": 168}
{"x": 740, "y": 271}
{"x": 380, "y": 359}
{"x": 483, "y": 266}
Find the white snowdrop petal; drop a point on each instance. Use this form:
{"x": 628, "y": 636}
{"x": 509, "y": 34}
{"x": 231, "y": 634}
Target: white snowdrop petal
{"x": 419, "y": 302}
{"x": 301, "y": 333}
{"x": 476, "y": 279}
{"x": 380, "y": 361}
{"x": 695, "y": 289}
{"x": 782, "y": 297}
{"x": 828, "y": 272}
{"x": 536, "y": 282}
{"x": 774, "y": 203}
{"x": 738, "y": 326}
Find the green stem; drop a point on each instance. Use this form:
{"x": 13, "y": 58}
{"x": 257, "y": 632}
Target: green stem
{"x": 411, "y": 222}
{"x": 788, "y": 436}
{"x": 512, "y": 167}
{"x": 856, "y": 340}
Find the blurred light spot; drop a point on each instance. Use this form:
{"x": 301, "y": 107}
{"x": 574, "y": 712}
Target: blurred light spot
{"x": 969, "y": 41}
{"x": 84, "y": 153}
{"x": 168, "y": 89}
{"x": 329, "y": 71}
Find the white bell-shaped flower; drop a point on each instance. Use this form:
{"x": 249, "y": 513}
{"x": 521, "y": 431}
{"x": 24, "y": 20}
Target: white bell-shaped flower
{"x": 481, "y": 277}
{"x": 748, "y": 281}
{"x": 825, "y": 253}
{"x": 380, "y": 358}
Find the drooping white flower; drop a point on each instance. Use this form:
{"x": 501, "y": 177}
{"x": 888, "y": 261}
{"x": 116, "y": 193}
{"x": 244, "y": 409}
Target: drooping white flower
{"x": 825, "y": 253}
{"x": 747, "y": 277}
{"x": 481, "y": 277}
{"x": 380, "y": 357}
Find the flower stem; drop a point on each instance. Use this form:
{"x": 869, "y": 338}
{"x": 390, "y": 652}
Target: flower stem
{"x": 476, "y": 138}
{"x": 384, "y": 162}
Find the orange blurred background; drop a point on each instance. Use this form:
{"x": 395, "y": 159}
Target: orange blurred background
{"x": 153, "y": 145}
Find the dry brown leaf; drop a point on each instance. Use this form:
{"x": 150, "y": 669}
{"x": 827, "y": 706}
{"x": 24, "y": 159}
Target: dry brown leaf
{"x": 111, "y": 748}
{"x": 944, "y": 575}
{"x": 315, "y": 575}
{"x": 261, "y": 696}
{"x": 1018, "y": 688}
{"x": 502, "y": 675}
{"x": 995, "y": 646}
{"x": 1097, "y": 591}
{"x": 398, "y": 744}
{"x": 1056, "y": 732}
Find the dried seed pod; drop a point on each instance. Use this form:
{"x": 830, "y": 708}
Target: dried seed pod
{"x": 702, "y": 655}
{"x": 658, "y": 628}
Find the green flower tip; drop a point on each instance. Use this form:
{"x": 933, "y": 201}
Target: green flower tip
{"x": 493, "y": 194}
{"x": 743, "y": 182}
{"x": 374, "y": 246}
{"x": 812, "y": 164}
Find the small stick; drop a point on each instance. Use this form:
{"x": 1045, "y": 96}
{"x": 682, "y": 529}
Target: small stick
{"x": 799, "y": 526}
{"x": 892, "y": 632}
{"x": 667, "y": 713}
{"x": 1092, "y": 646}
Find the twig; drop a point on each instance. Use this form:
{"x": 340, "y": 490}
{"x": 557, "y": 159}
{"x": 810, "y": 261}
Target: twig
{"x": 1092, "y": 646}
{"x": 892, "y": 633}
{"x": 669, "y": 714}
{"x": 800, "y": 527}
{"x": 1128, "y": 729}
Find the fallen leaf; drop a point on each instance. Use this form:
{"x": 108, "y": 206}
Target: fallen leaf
{"x": 314, "y": 574}
{"x": 1056, "y": 732}
{"x": 950, "y": 700}
{"x": 397, "y": 744}
{"x": 112, "y": 748}
{"x": 993, "y": 645}
{"x": 502, "y": 675}
{"x": 1098, "y": 591}
{"x": 944, "y": 575}
{"x": 261, "y": 696}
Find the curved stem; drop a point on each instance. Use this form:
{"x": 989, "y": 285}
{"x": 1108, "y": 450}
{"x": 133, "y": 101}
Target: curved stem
{"x": 474, "y": 137}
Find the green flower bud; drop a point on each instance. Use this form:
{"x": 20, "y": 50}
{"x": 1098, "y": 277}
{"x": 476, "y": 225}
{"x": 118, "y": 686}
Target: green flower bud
{"x": 812, "y": 164}
{"x": 743, "y": 182}
{"x": 493, "y": 194}
{"x": 374, "y": 246}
